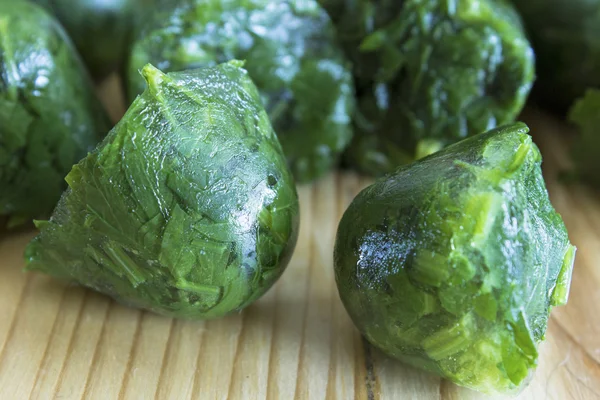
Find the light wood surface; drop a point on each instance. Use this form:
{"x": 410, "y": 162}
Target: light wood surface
{"x": 297, "y": 342}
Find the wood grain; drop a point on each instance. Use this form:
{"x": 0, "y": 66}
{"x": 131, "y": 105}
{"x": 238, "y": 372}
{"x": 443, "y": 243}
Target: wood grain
{"x": 297, "y": 342}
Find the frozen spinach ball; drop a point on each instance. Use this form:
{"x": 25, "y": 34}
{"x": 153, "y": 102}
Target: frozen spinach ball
{"x": 187, "y": 208}
{"x": 291, "y": 54}
{"x": 430, "y": 73}
{"x": 49, "y": 115}
{"x": 453, "y": 263}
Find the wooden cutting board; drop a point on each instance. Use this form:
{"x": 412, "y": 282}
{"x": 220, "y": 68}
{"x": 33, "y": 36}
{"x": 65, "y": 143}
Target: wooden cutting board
{"x": 297, "y": 342}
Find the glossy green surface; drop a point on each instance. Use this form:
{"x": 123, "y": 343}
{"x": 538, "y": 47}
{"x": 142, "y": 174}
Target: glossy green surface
{"x": 585, "y": 113}
{"x": 100, "y": 29}
{"x": 452, "y": 263}
{"x": 49, "y": 115}
{"x": 290, "y": 53}
{"x": 564, "y": 34}
{"x": 429, "y": 73}
{"x": 187, "y": 208}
